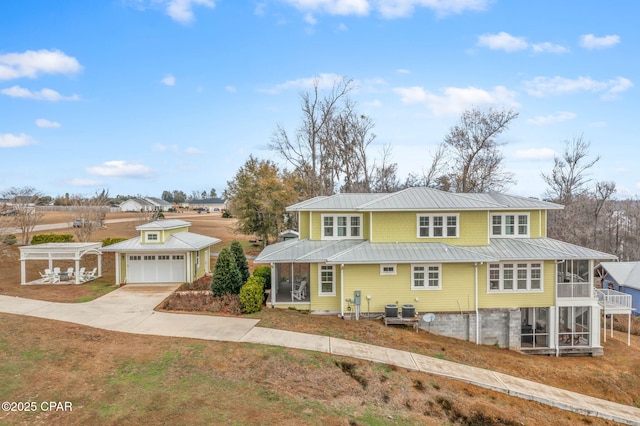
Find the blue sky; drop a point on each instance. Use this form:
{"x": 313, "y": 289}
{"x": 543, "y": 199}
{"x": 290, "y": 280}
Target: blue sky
{"x": 141, "y": 96}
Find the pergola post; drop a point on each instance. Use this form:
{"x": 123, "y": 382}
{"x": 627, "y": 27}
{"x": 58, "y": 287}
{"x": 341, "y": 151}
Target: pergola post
{"x": 23, "y": 271}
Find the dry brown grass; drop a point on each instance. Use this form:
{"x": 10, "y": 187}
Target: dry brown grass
{"x": 287, "y": 386}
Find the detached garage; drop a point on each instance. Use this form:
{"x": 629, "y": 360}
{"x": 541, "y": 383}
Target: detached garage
{"x": 165, "y": 252}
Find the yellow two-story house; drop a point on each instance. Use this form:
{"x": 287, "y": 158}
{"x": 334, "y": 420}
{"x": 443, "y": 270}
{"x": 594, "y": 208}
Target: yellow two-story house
{"x": 477, "y": 267}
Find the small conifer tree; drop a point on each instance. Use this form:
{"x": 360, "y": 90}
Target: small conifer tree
{"x": 226, "y": 275}
{"x": 241, "y": 260}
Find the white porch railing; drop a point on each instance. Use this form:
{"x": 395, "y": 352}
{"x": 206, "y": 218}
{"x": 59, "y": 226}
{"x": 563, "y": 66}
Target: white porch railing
{"x": 575, "y": 290}
{"x": 613, "y": 299}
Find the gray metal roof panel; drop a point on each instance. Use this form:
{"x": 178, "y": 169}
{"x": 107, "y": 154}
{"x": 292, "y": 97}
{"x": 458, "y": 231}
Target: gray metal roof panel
{"x": 163, "y": 224}
{"x": 310, "y": 251}
{"x": 538, "y": 249}
{"x": 408, "y": 253}
{"x": 180, "y": 241}
{"x": 624, "y": 273}
{"x": 422, "y": 198}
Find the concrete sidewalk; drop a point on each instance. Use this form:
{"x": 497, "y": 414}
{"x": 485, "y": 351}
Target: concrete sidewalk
{"x": 130, "y": 310}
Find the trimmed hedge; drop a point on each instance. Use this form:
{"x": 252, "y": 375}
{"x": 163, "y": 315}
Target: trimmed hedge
{"x": 263, "y": 272}
{"x": 109, "y": 241}
{"x": 52, "y": 238}
{"x": 252, "y": 295}
{"x": 8, "y": 240}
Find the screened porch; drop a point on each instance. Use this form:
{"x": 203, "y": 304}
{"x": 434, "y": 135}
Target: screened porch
{"x": 290, "y": 283}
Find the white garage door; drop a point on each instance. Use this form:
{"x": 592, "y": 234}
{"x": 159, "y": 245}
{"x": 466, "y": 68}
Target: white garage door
{"x": 156, "y": 268}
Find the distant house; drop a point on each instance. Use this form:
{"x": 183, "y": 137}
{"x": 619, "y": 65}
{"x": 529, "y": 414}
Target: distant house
{"x": 147, "y": 204}
{"x": 209, "y": 204}
{"x": 165, "y": 252}
{"x": 623, "y": 277}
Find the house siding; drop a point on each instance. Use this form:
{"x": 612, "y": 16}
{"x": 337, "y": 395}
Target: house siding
{"x": 402, "y": 227}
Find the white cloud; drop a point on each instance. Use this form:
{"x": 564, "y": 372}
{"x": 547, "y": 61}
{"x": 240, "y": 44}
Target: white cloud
{"x": 502, "y": 41}
{"x": 332, "y": 7}
{"x": 119, "y": 168}
{"x": 7, "y": 140}
{"x": 47, "y": 124}
{"x": 389, "y": 9}
{"x": 544, "y": 86}
{"x": 169, "y": 80}
{"x": 309, "y": 19}
{"x": 551, "y": 119}
{"x": 193, "y": 151}
{"x": 589, "y": 41}
{"x": 83, "y": 182}
{"x": 342, "y": 28}
{"x": 535, "y": 154}
{"x": 547, "y": 47}
{"x": 376, "y": 103}
{"x": 42, "y": 95}
{"x": 598, "y": 124}
{"x": 325, "y": 81}
{"x": 403, "y": 71}
{"x": 230, "y": 89}
{"x": 455, "y": 100}
{"x": 403, "y": 8}
{"x": 32, "y": 64}
{"x": 182, "y": 10}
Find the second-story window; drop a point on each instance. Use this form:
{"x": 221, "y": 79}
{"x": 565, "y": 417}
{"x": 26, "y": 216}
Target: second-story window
{"x": 341, "y": 226}
{"x": 510, "y": 225}
{"x": 438, "y": 226}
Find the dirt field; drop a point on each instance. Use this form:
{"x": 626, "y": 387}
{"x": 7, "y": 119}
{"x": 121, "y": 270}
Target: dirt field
{"x": 298, "y": 386}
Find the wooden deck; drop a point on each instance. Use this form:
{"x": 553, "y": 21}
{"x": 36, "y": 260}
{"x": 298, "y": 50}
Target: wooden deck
{"x": 413, "y": 321}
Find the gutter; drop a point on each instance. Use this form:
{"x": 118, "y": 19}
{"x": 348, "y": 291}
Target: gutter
{"x": 342, "y": 291}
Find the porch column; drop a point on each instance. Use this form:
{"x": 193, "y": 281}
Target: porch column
{"x": 99, "y": 263}
{"x": 77, "y": 268}
{"x": 274, "y": 284}
{"x": 23, "y": 271}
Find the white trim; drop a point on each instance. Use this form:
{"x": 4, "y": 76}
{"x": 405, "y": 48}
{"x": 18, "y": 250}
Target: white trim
{"x": 515, "y": 268}
{"x": 333, "y": 280}
{"x": 431, "y": 228}
{"x": 426, "y": 278}
{"x": 348, "y": 227}
{"x": 388, "y": 269}
{"x": 516, "y": 225}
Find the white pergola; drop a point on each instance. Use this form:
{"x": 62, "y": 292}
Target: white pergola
{"x": 58, "y": 251}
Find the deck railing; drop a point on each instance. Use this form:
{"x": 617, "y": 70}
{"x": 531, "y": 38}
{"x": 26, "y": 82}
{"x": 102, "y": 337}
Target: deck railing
{"x": 575, "y": 290}
{"x": 612, "y": 298}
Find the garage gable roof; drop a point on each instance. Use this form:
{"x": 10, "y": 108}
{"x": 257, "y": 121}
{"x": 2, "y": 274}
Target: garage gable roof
{"x": 180, "y": 241}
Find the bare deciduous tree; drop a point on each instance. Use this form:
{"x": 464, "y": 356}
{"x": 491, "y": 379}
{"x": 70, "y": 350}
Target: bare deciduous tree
{"x": 23, "y": 202}
{"x": 475, "y": 160}
{"x": 89, "y": 214}
{"x": 569, "y": 177}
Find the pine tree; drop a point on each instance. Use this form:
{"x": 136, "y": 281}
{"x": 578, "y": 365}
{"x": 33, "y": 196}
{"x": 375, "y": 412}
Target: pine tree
{"x": 226, "y": 275}
{"x": 241, "y": 260}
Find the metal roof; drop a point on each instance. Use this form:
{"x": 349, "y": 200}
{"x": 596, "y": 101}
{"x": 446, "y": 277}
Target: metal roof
{"x": 180, "y": 241}
{"x": 365, "y": 252}
{"x": 159, "y": 225}
{"x": 408, "y": 253}
{"x": 538, "y": 249}
{"x": 422, "y": 198}
{"x": 307, "y": 251}
{"x": 624, "y": 273}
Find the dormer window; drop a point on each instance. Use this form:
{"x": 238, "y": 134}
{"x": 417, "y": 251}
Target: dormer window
{"x": 152, "y": 237}
{"x": 341, "y": 226}
{"x": 510, "y": 225}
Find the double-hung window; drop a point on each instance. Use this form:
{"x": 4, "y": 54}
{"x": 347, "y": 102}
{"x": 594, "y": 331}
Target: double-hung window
{"x": 426, "y": 277}
{"x": 508, "y": 277}
{"x": 438, "y": 225}
{"x": 341, "y": 226}
{"x": 510, "y": 225}
{"x": 326, "y": 281}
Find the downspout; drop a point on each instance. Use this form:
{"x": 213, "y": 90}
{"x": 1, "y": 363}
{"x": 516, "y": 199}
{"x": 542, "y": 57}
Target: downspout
{"x": 342, "y": 291}
{"x": 274, "y": 285}
{"x": 476, "y": 303}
